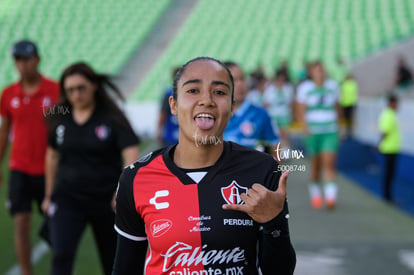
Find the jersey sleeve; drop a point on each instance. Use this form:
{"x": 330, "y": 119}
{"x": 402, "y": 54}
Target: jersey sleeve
{"x": 301, "y": 93}
{"x": 275, "y": 248}
{"x": 4, "y": 103}
{"x": 125, "y": 136}
{"x": 129, "y": 257}
{"x": 128, "y": 223}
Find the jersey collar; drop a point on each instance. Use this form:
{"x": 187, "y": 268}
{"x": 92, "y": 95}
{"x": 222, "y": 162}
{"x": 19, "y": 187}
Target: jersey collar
{"x": 39, "y": 90}
{"x": 182, "y": 175}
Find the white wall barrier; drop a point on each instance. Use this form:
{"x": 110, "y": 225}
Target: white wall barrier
{"x": 143, "y": 117}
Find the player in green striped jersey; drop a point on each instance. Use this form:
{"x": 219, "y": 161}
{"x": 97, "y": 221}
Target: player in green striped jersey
{"x": 319, "y": 115}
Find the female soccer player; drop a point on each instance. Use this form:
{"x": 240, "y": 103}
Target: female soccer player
{"x": 203, "y": 206}
{"x": 89, "y": 142}
{"x": 319, "y": 113}
{"x": 277, "y": 99}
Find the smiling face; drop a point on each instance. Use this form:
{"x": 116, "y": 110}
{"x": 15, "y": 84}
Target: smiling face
{"x": 203, "y": 105}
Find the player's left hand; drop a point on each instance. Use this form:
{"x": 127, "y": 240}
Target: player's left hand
{"x": 260, "y": 203}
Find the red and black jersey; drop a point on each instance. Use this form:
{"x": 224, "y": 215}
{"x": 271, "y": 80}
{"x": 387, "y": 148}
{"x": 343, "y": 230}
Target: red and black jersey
{"x": 187, "y": 230}
{"x": 29, "y": 132}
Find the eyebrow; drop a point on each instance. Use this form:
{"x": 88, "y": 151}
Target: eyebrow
{"x": 214, "y": 82}
{"x": 191, "y": 81}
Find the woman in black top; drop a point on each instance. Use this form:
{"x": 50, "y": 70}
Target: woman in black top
{"x": 89, "y": 142}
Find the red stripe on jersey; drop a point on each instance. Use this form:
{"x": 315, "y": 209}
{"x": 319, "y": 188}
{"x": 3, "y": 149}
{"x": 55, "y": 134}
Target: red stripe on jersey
{"x": 171, "y": 213}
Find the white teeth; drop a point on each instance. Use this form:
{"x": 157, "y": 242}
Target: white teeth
{"x": 205, "y": 115}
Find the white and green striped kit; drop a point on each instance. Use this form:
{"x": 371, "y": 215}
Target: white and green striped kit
{"x": 278, "y": 102}
{"x": 321, "y": 115}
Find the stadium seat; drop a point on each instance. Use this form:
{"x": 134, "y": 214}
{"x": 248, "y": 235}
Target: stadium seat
{"x": 103, "y": 33}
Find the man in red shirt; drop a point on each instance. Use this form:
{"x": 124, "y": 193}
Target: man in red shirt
{"x": 23, "y": 107}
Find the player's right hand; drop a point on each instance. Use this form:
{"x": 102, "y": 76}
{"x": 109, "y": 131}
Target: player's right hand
{"x": 45, "y": 205}
{"x": 260, "y": 203}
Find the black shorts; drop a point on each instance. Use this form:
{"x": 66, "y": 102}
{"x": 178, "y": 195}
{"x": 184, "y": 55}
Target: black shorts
{"x": 23, "y": 189}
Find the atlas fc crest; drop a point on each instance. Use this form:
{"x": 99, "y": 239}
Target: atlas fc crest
{"x": 232, "y": 192}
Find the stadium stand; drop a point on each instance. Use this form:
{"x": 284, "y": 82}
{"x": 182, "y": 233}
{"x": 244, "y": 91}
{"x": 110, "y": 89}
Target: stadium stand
{"x": 69, "y": 31}
{"x": 270, "y": 31}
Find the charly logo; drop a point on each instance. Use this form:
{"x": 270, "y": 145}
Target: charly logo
{"x": 232, "y": 192}
{"x": 160, "y": 205}
{"x": 160, "y": 227}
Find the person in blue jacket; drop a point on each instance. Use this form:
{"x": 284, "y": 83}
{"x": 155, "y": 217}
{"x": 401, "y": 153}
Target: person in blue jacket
{"x": 250, "y": 125}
